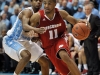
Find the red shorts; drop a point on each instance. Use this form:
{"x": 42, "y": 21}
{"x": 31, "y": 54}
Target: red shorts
{"x": 52, "y": 54}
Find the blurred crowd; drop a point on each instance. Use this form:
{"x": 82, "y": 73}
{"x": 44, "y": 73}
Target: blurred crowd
{"x": 9, "y": 10}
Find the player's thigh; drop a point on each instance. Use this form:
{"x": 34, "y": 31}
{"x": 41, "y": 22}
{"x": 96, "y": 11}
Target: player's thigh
{"x": 62, "y": 48}
{"x": 12, "y": 48}
{"x": 57, "y": 62}
{"x": 43, "y": 61}
{"x": 35, "y": 50}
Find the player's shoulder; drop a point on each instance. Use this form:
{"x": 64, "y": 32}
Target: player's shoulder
{"x": 63, "y": 13}
{"x": 27, "y": 10}
{"x": 36, "y": 15}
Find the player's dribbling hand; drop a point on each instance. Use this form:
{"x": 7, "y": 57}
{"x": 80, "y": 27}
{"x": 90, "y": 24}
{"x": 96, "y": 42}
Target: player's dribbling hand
{"x": 85, "y": 21}
{"x": 40, "y": 30}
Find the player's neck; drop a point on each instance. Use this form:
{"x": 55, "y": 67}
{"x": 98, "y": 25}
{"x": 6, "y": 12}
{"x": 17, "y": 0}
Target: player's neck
{"x": 35, "y": 10}
{"x": 50, "y": 15}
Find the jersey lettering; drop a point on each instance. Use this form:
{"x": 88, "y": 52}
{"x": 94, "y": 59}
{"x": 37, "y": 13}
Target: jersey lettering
{"x": 51, "y": 34}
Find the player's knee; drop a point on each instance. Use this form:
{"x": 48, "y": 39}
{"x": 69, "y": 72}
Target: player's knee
{"x": 43, "y": 61}
{"x": 26, "y": 56}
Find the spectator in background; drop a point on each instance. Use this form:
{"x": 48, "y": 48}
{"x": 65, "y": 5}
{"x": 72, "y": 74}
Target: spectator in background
{"x": 59, "y": 4}
{"x": 7, "y": 64}
{"x": 14, "y": 17}
{"x": 11, "y": 8}
{"x": 79, "y": 14}
{"x": 95, "y": 3}
{"x": 2, "y": 25}
{"x": 98, "y": 1}
{"x": 81, "y": 2}
{"x": 81, "y": 56}
{"x": 69, "y": 4}
{"x": 74, "y": 7}
{"x": 5, "y": 20}
{"x": 64, "y": 3}
{"x": 77, "y": 51}
{"x": 15, "y": 4}
{"x": 90, "y": 44}
{"x": 3, "y": 3}
{"x": 24, "y": 4}
{"x": 6, "y": 11}
{"x": 86, "y": 2}
{"x": 8, "y": 1}
{"x": 94, "y": 10}
{"x": 2, "y": 64}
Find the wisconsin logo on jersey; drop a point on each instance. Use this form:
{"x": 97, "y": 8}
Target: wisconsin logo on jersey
{"x": 44, "y": 19}
{"x": 53, "y": 26}
{"x": 61, "y": 46}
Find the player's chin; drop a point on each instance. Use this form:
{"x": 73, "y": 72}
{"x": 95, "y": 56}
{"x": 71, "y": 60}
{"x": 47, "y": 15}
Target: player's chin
{"x": 38, "y": 7}
{"x": 47, "y": 11}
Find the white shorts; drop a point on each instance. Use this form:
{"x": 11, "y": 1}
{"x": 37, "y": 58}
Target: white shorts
{"x": 13, "y": 48}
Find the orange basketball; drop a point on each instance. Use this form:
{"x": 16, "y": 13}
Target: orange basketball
{"x": 80, "y": 31}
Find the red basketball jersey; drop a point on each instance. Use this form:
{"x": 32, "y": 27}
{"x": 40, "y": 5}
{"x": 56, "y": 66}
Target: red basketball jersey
{"x": 55, "y": 28}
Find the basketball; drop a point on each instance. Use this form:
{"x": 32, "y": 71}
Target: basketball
{"x": 80, "y": 31}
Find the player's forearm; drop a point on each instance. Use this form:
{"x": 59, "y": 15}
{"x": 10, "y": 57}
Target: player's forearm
{"x": 37, "y": 30}
{"x": 75, "y": 21}
{"x": 27, "y": 27}
{"x": 25, "y": 23}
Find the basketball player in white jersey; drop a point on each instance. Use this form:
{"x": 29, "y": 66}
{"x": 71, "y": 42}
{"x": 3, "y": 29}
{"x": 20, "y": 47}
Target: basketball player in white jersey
{"x": 17, "y": 41}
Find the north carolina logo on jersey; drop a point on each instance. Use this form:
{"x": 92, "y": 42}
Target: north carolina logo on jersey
{"x": 61, "y": 46}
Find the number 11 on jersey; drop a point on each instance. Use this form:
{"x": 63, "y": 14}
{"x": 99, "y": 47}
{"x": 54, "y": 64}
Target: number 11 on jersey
{"x": 51, "y": 34}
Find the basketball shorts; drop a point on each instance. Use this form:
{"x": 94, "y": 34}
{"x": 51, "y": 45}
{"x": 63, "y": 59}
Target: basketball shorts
{"x": 55, "y": 59}
{"x": 13, "y": 48}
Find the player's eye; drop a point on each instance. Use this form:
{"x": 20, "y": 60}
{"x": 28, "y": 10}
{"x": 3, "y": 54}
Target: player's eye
{"x": 49, "y": 3}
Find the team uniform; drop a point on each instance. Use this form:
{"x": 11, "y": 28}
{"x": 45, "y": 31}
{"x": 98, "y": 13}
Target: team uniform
{"x": 15, "y": 42}
{"x": 53, "y": 39}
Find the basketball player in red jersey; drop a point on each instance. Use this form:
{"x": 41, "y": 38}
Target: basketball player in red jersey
{"x": 53, "y": 41}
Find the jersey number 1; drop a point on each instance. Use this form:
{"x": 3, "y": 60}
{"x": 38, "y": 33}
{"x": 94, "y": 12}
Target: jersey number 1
{"x": 51, "y": 34}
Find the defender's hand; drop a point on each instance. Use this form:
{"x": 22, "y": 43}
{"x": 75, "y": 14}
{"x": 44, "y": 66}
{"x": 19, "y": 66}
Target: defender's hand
{"x": 31, "y": 33}
{"x": 40, "y": 30}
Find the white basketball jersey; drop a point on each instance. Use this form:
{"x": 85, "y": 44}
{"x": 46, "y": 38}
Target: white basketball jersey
{"x": 16, "y": 31}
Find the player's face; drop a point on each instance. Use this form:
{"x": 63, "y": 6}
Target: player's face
{"x": 49, "y": 5}
{"x": 36, "y": 3}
